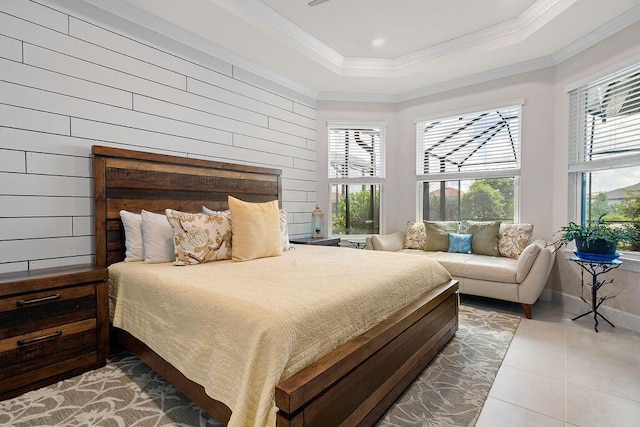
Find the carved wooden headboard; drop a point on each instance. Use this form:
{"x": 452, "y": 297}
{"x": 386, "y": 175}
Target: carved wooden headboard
{"x": 135, "y": 180}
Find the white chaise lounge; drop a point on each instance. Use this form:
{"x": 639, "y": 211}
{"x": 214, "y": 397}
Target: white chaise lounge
{"x": 518, "y": 280}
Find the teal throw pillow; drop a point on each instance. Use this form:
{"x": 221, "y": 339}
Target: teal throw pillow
{"x": 460, "y": 243}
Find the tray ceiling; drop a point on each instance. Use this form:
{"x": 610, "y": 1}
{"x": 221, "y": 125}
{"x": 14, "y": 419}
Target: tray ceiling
{"x": 326, "y": 52}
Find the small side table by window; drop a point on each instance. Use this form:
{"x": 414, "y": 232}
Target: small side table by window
{"x": 320, "y": 241}
{"x": 595, "y": 269}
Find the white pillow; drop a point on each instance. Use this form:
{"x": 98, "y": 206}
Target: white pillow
{"x": 157, "y": 236}
{"x": 133, "y": 243}
{"x": 284, "y": 230}
{"x": 206, "y": 210}
{"x": 284, "y": 227}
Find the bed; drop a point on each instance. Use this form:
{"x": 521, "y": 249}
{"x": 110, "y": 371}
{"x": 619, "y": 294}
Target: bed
{"x": 354, "y": 382}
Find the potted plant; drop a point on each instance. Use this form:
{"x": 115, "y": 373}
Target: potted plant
{"x": 598, "y": 238}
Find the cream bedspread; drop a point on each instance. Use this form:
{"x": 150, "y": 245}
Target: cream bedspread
{"x": 240, "y": 328}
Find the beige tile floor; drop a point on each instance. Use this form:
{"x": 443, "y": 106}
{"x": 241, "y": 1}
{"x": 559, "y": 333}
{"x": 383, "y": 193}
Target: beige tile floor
{"x": 558, "y": 372}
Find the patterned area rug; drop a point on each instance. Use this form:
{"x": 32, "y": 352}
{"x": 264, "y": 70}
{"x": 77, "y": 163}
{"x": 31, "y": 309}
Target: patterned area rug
{"x": 450, "y": 392}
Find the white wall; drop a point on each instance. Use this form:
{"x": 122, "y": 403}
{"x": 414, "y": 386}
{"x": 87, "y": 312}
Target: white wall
{"x": 67, "y": 83}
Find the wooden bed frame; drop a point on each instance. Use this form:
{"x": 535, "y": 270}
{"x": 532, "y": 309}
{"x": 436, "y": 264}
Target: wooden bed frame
{"x": 353, "y": 385}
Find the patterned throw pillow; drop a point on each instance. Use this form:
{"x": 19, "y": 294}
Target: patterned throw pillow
{"x": 513, "y": 238}
{"x": 200, "y": 238}
{"x": 416, "y": 235}
{"x": 460, "y": 243}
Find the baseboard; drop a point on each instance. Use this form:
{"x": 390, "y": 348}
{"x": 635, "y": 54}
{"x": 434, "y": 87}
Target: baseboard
{"x": 546, "y": 295}
{"x": 575, "y": 305}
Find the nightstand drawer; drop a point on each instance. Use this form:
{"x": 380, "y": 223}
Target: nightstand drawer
{"x": 25, "y": 313}
{"x": 23, "y": 353}
{"x": 54, "y": 323}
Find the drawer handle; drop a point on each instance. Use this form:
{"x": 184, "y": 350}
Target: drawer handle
{"x": 46, "y": 337}
{"x": 37, "y": 300}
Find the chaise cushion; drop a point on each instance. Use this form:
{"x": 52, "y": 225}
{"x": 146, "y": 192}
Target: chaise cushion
{"x": 479, "y": 267}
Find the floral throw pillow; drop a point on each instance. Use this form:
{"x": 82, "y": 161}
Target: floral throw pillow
{"x": 416, "y": 236}
{"x": 513, "y": 238}
{"x": 200, "y": 238}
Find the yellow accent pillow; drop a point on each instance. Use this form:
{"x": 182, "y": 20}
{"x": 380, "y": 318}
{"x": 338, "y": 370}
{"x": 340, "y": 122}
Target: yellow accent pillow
{"x": 255, "y": 228}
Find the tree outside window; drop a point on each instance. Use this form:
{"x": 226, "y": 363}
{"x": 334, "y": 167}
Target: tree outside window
{"x": 355, "y": 209}
{"x": 609, "y": 193}
{"x": 473, "y": 200}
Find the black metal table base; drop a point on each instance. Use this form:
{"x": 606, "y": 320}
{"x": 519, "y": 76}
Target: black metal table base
{"x": 595, "y": 318}
{"x": 595, "y": 269}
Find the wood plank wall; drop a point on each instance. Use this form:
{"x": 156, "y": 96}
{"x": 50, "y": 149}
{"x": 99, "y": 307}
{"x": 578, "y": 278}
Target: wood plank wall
{"x": 68, "y": 82}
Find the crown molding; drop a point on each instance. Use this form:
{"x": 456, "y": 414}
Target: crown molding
{"x": 126, "y": 17}
{"x": 507, "y": 71}
{"x": 617, "y": 24}
{"x": 266, "y": 18}
{"x": 130, "y": 19}
{"x": 258, "y": 13}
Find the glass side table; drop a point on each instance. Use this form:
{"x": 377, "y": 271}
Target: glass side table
{"x": 595, "y": 269}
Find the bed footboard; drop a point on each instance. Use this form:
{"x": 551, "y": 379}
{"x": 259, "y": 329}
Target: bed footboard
{"x": 358, "y": 382}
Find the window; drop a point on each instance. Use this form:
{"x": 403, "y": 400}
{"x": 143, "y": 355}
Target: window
{"x": 604, "y": 148}
{"x": 356, "y": 174}
{"x": 468, "y": 165}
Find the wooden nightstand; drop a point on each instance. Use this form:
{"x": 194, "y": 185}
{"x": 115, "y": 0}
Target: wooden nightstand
{"x": 54, "y": 324}
{"x": 321, "y": 241}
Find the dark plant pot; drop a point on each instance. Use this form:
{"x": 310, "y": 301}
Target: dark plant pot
{"x": 596, "y": 247}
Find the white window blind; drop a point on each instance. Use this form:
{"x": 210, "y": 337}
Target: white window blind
{"x": 604, "y": 129}
{"x": 474, "y": 144}
{"x": 356, "y": 151}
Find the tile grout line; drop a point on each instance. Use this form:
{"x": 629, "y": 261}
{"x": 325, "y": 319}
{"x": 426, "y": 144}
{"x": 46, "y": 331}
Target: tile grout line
{"x": 566, "y": 371}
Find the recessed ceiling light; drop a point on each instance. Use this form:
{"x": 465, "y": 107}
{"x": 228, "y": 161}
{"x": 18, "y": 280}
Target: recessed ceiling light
{"x": 377, "y": 42}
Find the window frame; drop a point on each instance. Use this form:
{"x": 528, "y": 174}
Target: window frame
{"x": 512, "y": 172}
{"x": 366, "y": 180}
{"x": 578, "y": 163}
